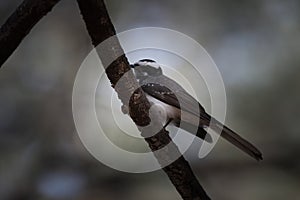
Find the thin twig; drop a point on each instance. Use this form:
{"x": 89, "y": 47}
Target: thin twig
{"x": 100, "y": 28}
{"x": 19, "y": 24}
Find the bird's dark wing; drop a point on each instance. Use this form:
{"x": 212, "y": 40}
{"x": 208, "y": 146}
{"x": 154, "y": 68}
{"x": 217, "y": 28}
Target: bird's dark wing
{"x": 189, "y": 104}
{"x": 178, "y": 98}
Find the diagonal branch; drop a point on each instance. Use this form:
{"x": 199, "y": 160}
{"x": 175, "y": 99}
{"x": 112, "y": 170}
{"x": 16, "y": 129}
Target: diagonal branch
{"x": 19, "y": 24}
{"x": 100, "y": 28}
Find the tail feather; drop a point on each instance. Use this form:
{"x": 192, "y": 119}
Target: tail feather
{"x": 239, "y": 142}
{"x": 201, "y": 132}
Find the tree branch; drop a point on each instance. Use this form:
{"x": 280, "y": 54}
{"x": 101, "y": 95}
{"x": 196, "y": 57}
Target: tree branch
{"x": 19, "y": 24}
{"x": 100, "y": 28}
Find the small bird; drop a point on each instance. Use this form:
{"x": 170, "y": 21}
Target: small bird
{"x": 181, "y": 108}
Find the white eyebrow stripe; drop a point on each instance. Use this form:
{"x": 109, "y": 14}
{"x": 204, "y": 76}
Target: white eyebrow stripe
{"x": 156, "y": 65}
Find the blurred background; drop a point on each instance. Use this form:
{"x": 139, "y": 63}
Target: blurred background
{"x": 255, "y": 44}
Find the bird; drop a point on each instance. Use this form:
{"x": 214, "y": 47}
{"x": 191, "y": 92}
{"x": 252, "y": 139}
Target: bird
{"x": 182, "y": 109}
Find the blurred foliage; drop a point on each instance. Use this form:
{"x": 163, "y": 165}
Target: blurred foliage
{"x": 256, "y": 45}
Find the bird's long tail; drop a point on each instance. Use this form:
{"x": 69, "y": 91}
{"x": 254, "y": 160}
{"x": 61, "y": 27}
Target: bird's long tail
{"x": 238, "y": 141}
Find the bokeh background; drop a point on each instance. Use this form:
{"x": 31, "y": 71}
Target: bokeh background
{"x": 256, "y": 45}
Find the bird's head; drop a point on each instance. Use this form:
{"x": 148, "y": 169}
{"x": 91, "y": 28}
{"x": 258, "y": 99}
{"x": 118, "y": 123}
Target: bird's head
{"x": 146, "y": 68}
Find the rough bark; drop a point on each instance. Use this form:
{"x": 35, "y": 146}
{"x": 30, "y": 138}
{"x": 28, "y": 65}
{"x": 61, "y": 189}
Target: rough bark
{"x": 179, "y": 172}
{"x": 100, "y": 28}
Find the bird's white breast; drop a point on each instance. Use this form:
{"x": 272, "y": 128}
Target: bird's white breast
{"x": 170, "y": 111}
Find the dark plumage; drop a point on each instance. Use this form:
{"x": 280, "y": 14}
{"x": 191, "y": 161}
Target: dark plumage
{"x": 179, "y": 104}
